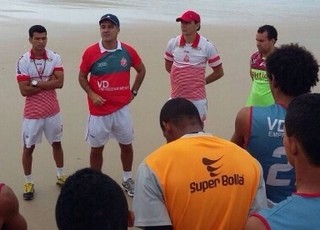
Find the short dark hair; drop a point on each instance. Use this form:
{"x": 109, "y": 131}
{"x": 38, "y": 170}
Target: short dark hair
{"x": 303, "y": 122}
{"x": 294, "y": 69}
{"x": 36, "y": 29}
{"x": 271, "y": 31}
{"x": 178, "y": 109}
{"x": 91, "y": 200}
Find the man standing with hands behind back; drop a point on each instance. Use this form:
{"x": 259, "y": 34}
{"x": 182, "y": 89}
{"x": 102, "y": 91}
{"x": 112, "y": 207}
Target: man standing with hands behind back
{"x": 260, "y": 94}
{"x": 109, "y": 94}
{"x": 186, "y": 57}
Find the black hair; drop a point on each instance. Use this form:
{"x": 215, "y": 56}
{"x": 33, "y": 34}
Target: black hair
{"x": 294, "y": 69}
{"x": 36, "y": 29}
{"x": 303, "y": 122}
{"x": 91, "y": 200}
{"x": 271, "y": 31}
{"x": 179, "y": 109}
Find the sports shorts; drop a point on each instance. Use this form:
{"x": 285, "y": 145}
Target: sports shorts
{"x": 202, "y": 106}
{"x": 116, "y": 125}
{"x": 32, "y": 130}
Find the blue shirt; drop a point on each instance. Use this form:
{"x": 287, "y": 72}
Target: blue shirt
{"x": 297, "y": 212}
{"x": 266, "y": 145}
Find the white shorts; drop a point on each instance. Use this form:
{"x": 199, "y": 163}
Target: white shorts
{"x": 32, "y": 130}
{"x": 116, "y": 125}
{"x": 202, "y": 106}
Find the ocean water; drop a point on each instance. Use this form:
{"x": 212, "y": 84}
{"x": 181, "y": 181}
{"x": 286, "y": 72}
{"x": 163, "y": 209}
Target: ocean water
{"x": 212, "y": 11}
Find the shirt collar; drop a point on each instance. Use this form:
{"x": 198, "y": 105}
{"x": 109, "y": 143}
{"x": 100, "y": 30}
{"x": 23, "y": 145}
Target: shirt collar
{"x": 194, "y": 44}
{"x": 198, "y": 134}
{"x": 33, "y": 56}
{"x": 102, "y": 49}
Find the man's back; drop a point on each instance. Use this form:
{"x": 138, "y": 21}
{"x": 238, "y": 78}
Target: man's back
{"x": 284, "y": 215}
{"x": 266, "y": 145}
{"x": 302, "y": 145}
{"x": 201, "y": 179}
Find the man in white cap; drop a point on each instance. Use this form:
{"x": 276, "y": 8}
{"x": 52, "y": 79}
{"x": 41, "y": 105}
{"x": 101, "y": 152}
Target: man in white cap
{"x": 186, "y": 57}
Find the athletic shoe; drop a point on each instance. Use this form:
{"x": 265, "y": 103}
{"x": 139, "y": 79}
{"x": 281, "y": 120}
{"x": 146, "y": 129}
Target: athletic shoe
{"x": 128, "y": 186}
{"x": 61, "y": 180}
{"x": 28, "y": 191}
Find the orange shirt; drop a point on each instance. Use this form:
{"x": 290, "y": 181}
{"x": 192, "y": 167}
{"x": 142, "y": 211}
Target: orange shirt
{"x": 206, "y": 183}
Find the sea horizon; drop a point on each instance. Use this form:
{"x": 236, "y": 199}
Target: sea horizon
{"x": 214, "y": 12}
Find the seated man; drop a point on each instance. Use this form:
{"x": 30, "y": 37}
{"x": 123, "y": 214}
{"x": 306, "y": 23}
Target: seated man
{"x": 302, "y": 144}
{"x": 92, "y": 200}
{"x": 196, "y": 181}
{"x": 10, "y": 217}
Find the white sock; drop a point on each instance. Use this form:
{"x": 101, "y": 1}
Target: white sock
{"x": 59, "y": 172}
{"x": 28, "y": 178}
{"x": 127, "y": 175}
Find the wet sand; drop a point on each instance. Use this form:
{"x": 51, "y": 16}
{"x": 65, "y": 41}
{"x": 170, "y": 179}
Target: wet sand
{"x": 225, "y": 97}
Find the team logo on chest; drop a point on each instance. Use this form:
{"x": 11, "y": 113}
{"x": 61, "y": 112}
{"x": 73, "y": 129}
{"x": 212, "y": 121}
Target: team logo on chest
{"x": 186, "y": 58}
{"x": 40, "y": 66}
{"x": 124, "y": 62}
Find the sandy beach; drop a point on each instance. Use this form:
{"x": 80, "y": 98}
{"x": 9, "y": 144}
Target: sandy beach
{"x": 226, "y": 96}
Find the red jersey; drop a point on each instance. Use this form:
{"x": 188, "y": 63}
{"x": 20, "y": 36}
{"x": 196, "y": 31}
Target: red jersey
{"x": 110, "y": 75}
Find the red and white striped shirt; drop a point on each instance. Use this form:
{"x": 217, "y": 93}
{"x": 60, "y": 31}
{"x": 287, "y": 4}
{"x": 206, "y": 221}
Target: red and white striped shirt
{"x": 45, "y": 103}
{"x": 189, "y": 64}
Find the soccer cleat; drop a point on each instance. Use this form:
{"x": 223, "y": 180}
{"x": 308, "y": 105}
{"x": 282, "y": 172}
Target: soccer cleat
{"x": 128, "y": 186}
{"x": 28, "y": 191}
{"x": 61, "y": 180}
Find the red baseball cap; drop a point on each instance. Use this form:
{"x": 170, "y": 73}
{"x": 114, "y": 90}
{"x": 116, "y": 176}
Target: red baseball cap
{"x": 189, "y": 16}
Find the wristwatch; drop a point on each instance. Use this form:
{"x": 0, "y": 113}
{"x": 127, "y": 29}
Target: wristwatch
{"x": 134, "y": 92}
{"x": 34, "y": 83}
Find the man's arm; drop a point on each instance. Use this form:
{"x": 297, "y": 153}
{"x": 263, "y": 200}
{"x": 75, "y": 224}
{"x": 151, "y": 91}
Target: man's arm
{"x": 254, "y": 223}
{"x": 250, "y": 69}
{"x": 215, "y": 75}
{"x": 141, "y": 72}
{"x": 148, "y": 203}
{"x": 251, "y": 74}
{"x": 55, "y": 82}
{"x": 242, "y": 127}
{"x": 9, "y": 211}
{"x": 168, "y": 65}
{"x": 26, "y": 89}
{"x": 83, "y": 81}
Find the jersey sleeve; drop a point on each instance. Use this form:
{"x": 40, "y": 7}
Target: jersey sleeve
{"x": 260, "y": 200}
{"x": 168, "y": 55}
{"x": 58, "y": 64}
{"x": 213, "y": 56}
{"x": 84, "y": 64}
{"x": 136, "y": 59}
{"x": 148, "y": 202}
{"x": 22, "y": 69}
